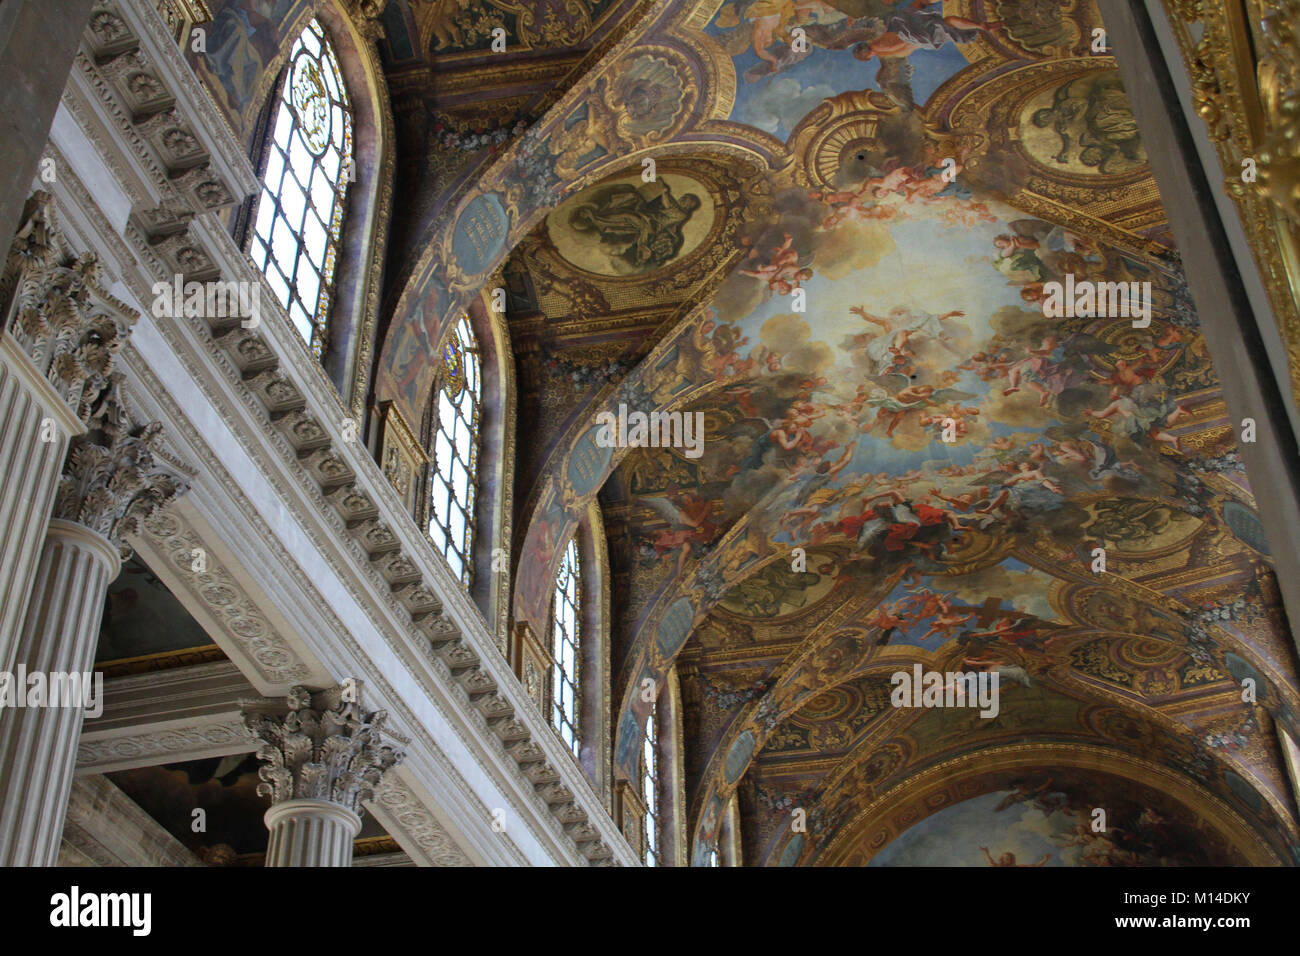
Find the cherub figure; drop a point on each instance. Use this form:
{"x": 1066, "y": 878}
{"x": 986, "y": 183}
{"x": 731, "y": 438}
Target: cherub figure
{"x": 894, "y": 408}
{"x": 1127, "y": 376}
{"x": 1009, "y": 859}
{"x": 956, "y": 414}
{"x": 946, "y": 622}
{"x": 692, "y": 517}
{"x": 781, "y": 272}
{"x": 1134, "y": 419}
{"x": 793, "y": 431}
{"x": 770, "y": 18}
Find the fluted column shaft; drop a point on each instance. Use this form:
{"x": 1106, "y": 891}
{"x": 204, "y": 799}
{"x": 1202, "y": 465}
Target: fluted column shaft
{"x": 310, "y": 833}
{"x": 36, "y": 427}
{"x": 38, "y": 745}
{"x": 322, "y": 757}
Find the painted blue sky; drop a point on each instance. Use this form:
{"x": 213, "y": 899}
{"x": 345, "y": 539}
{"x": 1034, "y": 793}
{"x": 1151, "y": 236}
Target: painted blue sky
{"x": 954, "y": 835}
{"x": 775, "y": 104}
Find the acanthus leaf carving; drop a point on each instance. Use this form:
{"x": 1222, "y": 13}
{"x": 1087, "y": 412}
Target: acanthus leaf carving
{"x": 55, "y": 306}
{"x": 325, "y": 747}
{"x": 114, "y": 478}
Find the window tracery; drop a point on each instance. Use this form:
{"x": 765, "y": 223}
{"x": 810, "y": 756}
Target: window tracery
{"x": 309, "y": 165}
{"x": 456, "y": 411}
{"x": 565, "y": 644}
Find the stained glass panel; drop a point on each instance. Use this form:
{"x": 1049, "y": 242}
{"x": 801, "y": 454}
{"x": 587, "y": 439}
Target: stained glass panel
{"x": 454, "y": 469}
{"x": 565, "y": 639}
{"x": 650, "y": 785}
{"x": 299, "y": 215}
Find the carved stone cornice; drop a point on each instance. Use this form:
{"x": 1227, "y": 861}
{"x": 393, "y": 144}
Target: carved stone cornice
{"x": 291, "y": 420}
{"x": 153, "y": 112}
{"x": 113, "y": 479}
{"x": 148, "y": 87}
{"x": 324, "y": 748}
{"x": 55, "y": 306}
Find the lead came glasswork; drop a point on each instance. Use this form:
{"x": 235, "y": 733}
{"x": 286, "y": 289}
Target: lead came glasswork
{"x": 650, "y": 785}
{"x": 565, "y": 638}
{"x": 299, "y": 217}
{"x": 454, "y": 469}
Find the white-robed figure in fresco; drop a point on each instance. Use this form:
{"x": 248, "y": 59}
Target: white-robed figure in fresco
{"x": 891, "y": 347}
{"x": 914, "y": 27}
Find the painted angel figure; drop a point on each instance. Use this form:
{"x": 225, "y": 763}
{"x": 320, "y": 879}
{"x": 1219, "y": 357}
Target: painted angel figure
{"x": 1133, "y": 418}
{"x": 794, "y": 430}
{"x": 946, "y": 622}
{"x": 891, "y": 348}
{"x": 691, "y": 518}
{"x": 914, "y": 27}
{"x": 1009, "y": 859}
{"x": 781, "y": 272}
{"x": 887, "y": 618}
{"x": 894, "y": 406}
{"x": 1007, "y": 673}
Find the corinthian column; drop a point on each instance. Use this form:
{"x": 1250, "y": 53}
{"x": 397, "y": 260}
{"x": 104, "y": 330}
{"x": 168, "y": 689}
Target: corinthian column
{"x": 323, "y": 757}
{"x": 110, "y": 484}
{"x": 59, "y": 335}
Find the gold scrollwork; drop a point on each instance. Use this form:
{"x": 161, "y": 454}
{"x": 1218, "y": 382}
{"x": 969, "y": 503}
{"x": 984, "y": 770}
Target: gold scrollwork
{"x": 1245, "y": 73}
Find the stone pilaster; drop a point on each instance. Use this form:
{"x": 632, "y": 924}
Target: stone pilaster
{"x": 322, "y": 757}
{"x": 60, "y": 335}
{"x": 111, "y": 482}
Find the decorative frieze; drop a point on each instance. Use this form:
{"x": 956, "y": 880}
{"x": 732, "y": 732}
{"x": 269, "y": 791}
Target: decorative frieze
{"x": 402, "y": 812}
{"x": 182, "y": 15}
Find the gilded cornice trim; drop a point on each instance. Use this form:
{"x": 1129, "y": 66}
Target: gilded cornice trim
{"x": 1245, "y": 81}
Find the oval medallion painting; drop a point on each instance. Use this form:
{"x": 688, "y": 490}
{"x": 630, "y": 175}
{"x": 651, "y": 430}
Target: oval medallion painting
{"x": 625, "y": 227}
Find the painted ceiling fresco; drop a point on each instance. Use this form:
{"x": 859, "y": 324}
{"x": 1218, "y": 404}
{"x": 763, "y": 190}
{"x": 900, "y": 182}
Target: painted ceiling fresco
{"x": 225, "y": 790}
{"x": 843, "y": 266}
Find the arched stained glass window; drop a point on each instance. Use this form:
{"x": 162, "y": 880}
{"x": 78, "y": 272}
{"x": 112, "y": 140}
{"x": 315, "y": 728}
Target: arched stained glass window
{"x": 454, "y": 469}
{"x": 650, "y": 785}
{"x": 308, "y": 168}
{"x": 565, "y": 640}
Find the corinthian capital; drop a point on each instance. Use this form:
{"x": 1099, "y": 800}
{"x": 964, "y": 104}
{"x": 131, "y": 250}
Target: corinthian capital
{"x": 324, "y": 748}
{"x": 54, "y": 304}
{"x": 115, "y": 476}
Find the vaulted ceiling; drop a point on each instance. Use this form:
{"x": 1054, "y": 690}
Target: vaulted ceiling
{"x": 839, "y": 262}
{"x": 905, "y": 462}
